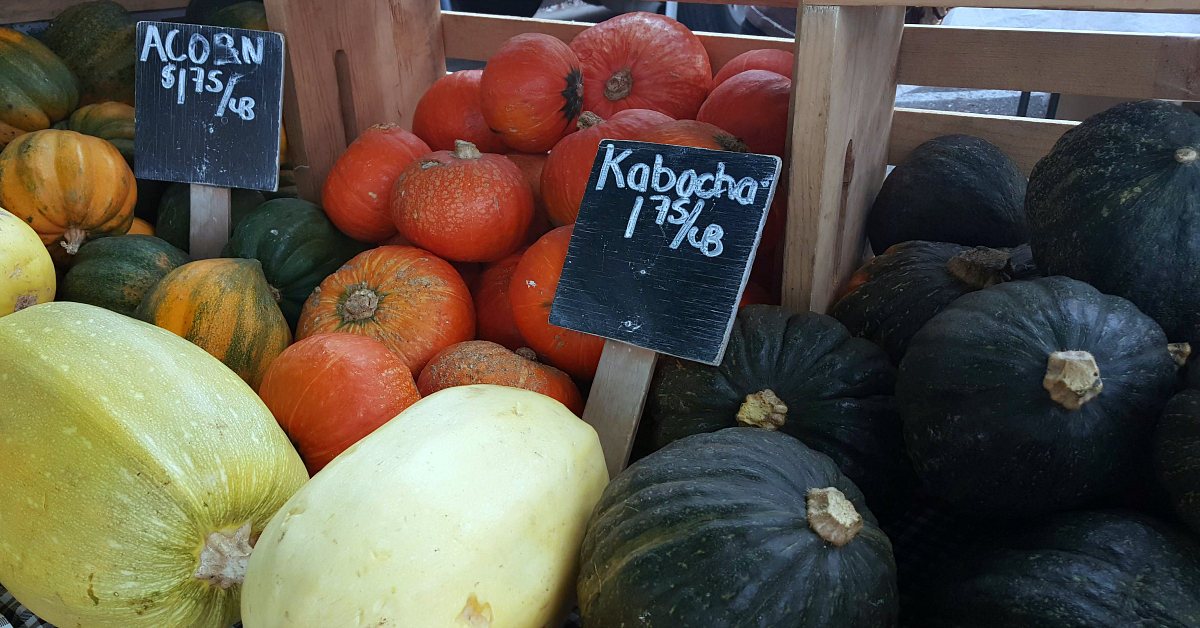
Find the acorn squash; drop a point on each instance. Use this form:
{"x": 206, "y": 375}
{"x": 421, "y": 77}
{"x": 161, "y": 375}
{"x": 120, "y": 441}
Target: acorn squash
{"x": 743, "y": 528}
{"x": 251, "y": 15}
{"x": 1033, "y": 396}
{"x": 36, "y": 87}
{"x": 226, "y": 307}
{"x": 298, "y": 247}
{"x": 1177, "y": 454}
{"x": 803, "y": 375}
{"x": 175, "y": 213}
{"x": 115, "y": 273}
{"x": 26, "y": 272}
{"x": 467, "y": 509}
{"x": 97, "y": 40}
{"x": 139, "y": 467}
{"x": 1116, "y": 203}
{"x": 112, "y": 121}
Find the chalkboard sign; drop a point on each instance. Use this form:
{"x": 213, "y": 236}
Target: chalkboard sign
{"x": 208, "y": 105}
{"x": 663, "y": 246}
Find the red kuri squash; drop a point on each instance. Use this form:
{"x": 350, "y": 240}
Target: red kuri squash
{"x": 330, "y": 390}
{"x": 752, "y": 105}
{"x": 754, "y": 294}
{"x": 532, "y": 92}
{"x": 770, "y": 59}
{"x": 482, "y": 362}
{"x": 694, "y": 134}
{"x": 358, "y": 189}
{"x": 531, "y": 166}
{"x": 450, "y": 111}
{"x": 493, "y": 310}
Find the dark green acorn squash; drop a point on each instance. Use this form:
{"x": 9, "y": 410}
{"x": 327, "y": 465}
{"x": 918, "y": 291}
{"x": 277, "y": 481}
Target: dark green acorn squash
{"x": 205, "y": 11}
{"x": 954, "y": 188}
{"x": 251, "y": 15}
{"x": 97, "y": 40}
{"x": 803, "y": 375}
{"x": 1033, "y": 396}
{"x": 742, "y": 528}
{"x": 36, "y": 87}
{"x": 896, "y": 293}
{"x": 1116, "y": 203}
{"x": 1105, "y": 569}
{"x": 298, "y": 247}
{"x": 115, "y": 273}
{"x": 1177, "y": 454}
{"x": 175, "y": 212}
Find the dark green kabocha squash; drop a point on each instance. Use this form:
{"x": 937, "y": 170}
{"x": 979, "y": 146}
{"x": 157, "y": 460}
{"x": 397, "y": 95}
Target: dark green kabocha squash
{"x": 1177, "y": 454}
{"x": 803, "y": 375}
{"x": 1033, "y": 396}
{"x": 896, "y": 293}
{"x": 954, "y": 188}
{"x": 97, "y": 39}
{"x": 1116, "y": 203}
{"x": 175, "y": 212}
{"x": 115, "y": 273}
{"x": 741, "y": 528}
{"x": 298, "y": 247}
{"x": 1101, "y": 569}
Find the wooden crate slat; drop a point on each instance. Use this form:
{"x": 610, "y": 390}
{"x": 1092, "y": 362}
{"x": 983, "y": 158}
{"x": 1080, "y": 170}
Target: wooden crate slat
{"x": 1140, "y": 6}
{"x": 17, "y": 11}
{"x": 1026, "y": 140}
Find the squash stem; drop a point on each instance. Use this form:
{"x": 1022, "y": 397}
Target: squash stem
{"x": 361, "y": 304}
{"x": 980, "y": 267}
{"x": 1073, "y": 378}
{"x": 763, "y": 409}
{"x": 619, "y": 85}
{"x": 832, "y": 516}
{"x": 73, "y": 238}
{"x": 588, "y": 120}
{"x": 224, "y": 557}
{"x": 466, "y": 150}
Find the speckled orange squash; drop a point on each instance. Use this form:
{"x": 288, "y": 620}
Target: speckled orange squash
{"x": 531, "y": 166}
{"x": 69, "y": 187}
{"x": 532, "y": 91}
{"x": 770, "y": 59}
{"x": 483, "y": 362}
{"x": 493, "y": 310}
{"x": 409, "y": 299}
{"x": 694, "y": 134}
{"x": 357, "y": 192}
{"x": 450, "y": 111}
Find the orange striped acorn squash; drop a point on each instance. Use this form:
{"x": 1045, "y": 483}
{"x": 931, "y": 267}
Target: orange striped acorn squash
{"x": 112, "y": 121}
{"x": 36, "y": 87}
{"x": 226, "y": 307}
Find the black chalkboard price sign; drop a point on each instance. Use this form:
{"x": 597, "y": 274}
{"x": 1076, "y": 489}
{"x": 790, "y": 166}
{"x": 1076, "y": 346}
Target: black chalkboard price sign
{"x": 663, "y": 246}
{"x": 208, "y": 105}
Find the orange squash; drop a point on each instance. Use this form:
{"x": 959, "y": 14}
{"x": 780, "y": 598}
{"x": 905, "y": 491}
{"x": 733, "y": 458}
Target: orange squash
{"x": 450, "y": 111}
{"x": 483, "y": 362}
{"x": 770, "y": 59}
{"x": 464, "y": 205}
{"x": 357, "y": 192}
{"x": 754, "y": 106}
{"x": 754, "y": 294}
{"x": 532, "y": 292}
{"x": 694, "y": 134}
{"x": 570, "y": 163}
{"x": 69, "y": 187}
{"x": 225, "y": 307}
{"x": 328, "y": 391}
{"x": 532, "y": 92}
{"x": 493, "y": 310}
{"x": 142, "y": 227}
{"x": 412, "y": 301}
{"x": 531, "y": 166}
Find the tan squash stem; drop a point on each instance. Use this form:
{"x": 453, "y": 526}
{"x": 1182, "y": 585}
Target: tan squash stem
{"x": 731, "y": 143}
{"x": 361, "y": 304}
{"x": 763, "y": 409}
{"x": 275, "y": 293}
{"x": 527, "y": 353}
{"x": 619, "y": 85}
{"x": 832, "y": 516}
{"x": 1073, "y": 378}
{"x": 73, "y": 238}
{"x": 1181, "y": 351}
{"x": 1187, "y": 155}
{"x": 588, "y": 120}
{"x": 979, "y": 267}
{"x": 466, "y": 150}
{"x": 224, "y": 557}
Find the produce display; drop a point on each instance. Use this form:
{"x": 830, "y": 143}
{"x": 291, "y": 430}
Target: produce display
{"x": 116, "y": 273}
{"x": 483, "y": 362}
{"x": 96, "y": 40}
{"x": 36, "y": 87}
{"x": 175, "y": 212}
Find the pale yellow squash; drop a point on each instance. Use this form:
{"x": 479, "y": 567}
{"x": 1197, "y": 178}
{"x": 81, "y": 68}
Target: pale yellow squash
{"x": 465, "y": 511}
{"x": 26, "y": 270}
{"x": 132, "y": 463}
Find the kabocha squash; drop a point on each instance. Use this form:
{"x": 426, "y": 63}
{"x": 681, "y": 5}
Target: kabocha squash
{"x": 1177, "y": 454}
{"x": 891, "y": 297}
{"x": 450, "y": 111}
{"x": 251, "y": 15}
{"x": 330, "y": 390}
{"x": 694, "y": 134}
{"x": 742, "y": 528}
{"x": 26, "y": 271}
{"x": 115, "y": 273}
{"x": 491, "y": 538}
{"x": 412, "y": 301}
{"x": 1116, "y": 203}
{"x": 1033, "y": 396}
{"x": 642, "y": 61}
{"x": 954, "y": 188}
{"x": 143, "y": 470}
{"x": 357, "y": 193}
{"x": 570, "y": 162}
{"x": 112, "y": 121}
{"x": 225, "y": 307}
{"x": 1105, "y": 569}
{"x": 175, "y": 213}
{"x": 298, "y": 247}
{"x": 531, "y": 166}
{"x": 463, "y": 205}
{"x": 97, "y": 40}
{"x": 69, "y": 187}
{"x": 483, "y": 362}
{"x": 36, "y": 87}
{"x": 494, "y": 319}
{"x": 531, "y": 293}
{"x": 531, "y": 92}
{"x": 753, "y": 105}
{"x": 770, "y": 59}
{"x": 803, "y": 375}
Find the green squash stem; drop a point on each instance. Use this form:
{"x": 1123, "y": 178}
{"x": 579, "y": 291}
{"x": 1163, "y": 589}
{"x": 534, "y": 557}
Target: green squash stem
{"x": 1072, "y": 378}
{"x": 980, "y": 267}
{"x": 763, "y": 409}
{"x": 224, "y": 557}
{"x": 832, "y": 516}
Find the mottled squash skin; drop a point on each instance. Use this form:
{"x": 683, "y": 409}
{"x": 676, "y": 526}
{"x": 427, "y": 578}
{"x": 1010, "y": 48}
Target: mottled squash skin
{"x": 483, "y": 362}
{"x": 97, "y": 40}
{"x": 36, "y": 87}
{"x": 27, "y": 274}
{"x": 1177, "y": 454}
{"x": 115, "y": 273}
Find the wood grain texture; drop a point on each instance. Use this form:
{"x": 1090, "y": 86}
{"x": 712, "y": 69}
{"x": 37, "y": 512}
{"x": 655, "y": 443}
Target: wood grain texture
{"x": 352, "y": 64}
{"x": 16, "y": 11}
{"x": 614, "y": 406}
{"x": 1026, "y": 140}
{"x": 842, "y": 103}
{"x": 209, "y": 222}
{"x": 1137, "y": 6}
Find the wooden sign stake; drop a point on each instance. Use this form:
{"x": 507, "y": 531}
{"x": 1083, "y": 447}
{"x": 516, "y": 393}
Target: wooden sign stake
{"x": 618, "y": 394}
{"x": 210, "y": 221}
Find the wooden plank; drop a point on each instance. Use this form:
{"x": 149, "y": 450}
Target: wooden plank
{"x": 1137, "y": 6}
{"x": 842, "y": 104}
{"x": 209, "y": 228}
{"x": 1026, "y": 140}
{"x": 619, "y": 391}
{"x": 352, "y": 64}
{"x": 16, "y": 11}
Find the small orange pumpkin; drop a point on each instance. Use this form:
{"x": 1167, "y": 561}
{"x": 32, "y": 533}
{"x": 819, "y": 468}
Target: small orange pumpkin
{"x": 483, "y": 362}
{"x": 754, "y": 106}
{"x": 450, "y": 111}
{"x": 493, "y": 310}
{"x": 357, "y": 192}
{"x": 770, "y": 59}
{"x": 532, "y": 92}
{"x": 694, "y": 134}
{"x": 531, "y": 166}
